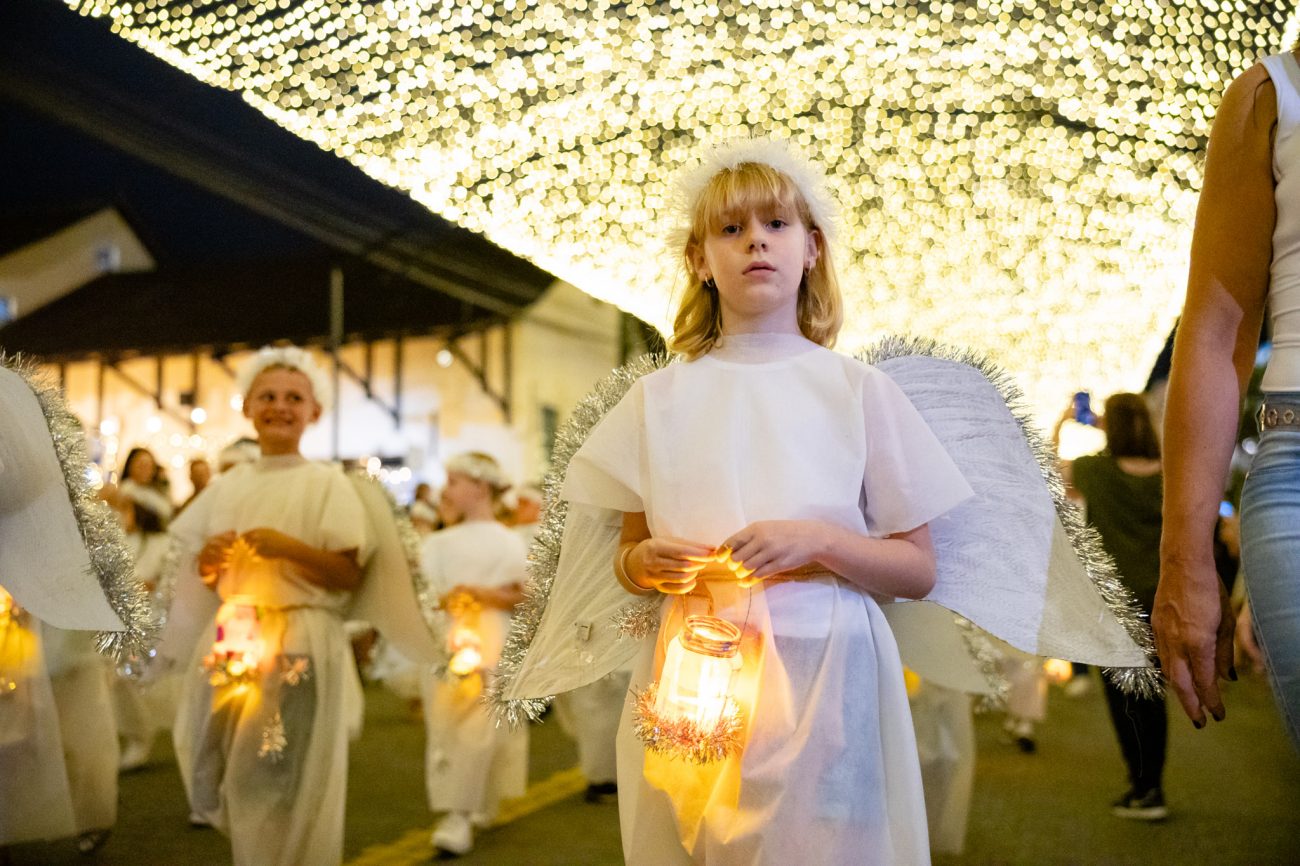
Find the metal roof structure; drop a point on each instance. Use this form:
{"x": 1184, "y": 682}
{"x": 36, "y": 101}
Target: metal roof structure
{"x": 246, "y": 221}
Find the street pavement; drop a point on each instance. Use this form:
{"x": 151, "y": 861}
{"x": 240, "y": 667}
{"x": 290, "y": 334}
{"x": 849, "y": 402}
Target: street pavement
{"x": 1233, "y": 791}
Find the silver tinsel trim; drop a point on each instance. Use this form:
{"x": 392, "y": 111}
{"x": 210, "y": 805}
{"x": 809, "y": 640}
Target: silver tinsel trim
{"x": 638, "y": 619}
{"x": 682, "y": 738}
{"x": 544, "y": 554}
{"x": 1144, "y": 681}
{"x": 273, "y": 740}
{"x": 986, "y": 656}
{"x": 110, "y": 559}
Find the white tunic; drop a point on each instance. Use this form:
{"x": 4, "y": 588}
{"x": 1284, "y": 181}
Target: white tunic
{"x": 1283, "y": 373}
{"x": 144, "y": 709}
{"x": 279, "y": 807}
{"x": 775, "y": 427}
{"x": 471, "y": 764}
{"x": 35, "y": 800}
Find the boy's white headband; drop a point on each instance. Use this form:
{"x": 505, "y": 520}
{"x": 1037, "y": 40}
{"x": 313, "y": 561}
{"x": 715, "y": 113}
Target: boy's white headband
{"x": 774, "y": 152}
{"x": 291, "y": 357}
{"x": 480, "y": 467}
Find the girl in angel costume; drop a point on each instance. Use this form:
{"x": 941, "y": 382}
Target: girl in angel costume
{"x": 476, "y": 568}
{"x": 797, "y": 493}
{"x": 277, "y": 552}
{"x": 64, "y": 570}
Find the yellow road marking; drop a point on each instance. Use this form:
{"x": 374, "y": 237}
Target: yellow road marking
{"x": 413, "y": 846}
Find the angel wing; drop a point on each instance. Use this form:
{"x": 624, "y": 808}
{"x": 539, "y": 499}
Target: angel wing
{"x": 1015, "y": 562}
{"x": 62, "y": 553}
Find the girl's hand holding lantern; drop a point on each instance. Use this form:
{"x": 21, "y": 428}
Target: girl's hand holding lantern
{"x": 770, "y": 547}
{"x": 669, "y": 565}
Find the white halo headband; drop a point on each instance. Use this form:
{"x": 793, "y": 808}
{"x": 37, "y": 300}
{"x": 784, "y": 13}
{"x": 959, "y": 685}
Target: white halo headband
{"x": 728, "y": 156}
{"x": 290, "y": 357}
{"x": 480, "y": 467}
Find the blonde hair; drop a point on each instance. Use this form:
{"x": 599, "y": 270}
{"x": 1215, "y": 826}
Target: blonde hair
{"x": 739, "y": 190}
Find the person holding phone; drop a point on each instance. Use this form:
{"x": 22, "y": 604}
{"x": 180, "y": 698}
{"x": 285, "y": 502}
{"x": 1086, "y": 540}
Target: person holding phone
{"x": 1121, "y": 492}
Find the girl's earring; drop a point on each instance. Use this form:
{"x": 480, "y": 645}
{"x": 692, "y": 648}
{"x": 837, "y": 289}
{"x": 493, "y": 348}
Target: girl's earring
{"x": 709, "y": 284}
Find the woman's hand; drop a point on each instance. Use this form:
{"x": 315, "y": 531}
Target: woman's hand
{"x": 1193, "y": 622}
{"x": 670, "y": 565}
{"x": 769, "y": 547}
{"x": 212, "y": 556}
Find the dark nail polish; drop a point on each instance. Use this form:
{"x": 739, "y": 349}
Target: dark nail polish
{"x": 1198, "y": 725}
{"x": 1232, "y": 672}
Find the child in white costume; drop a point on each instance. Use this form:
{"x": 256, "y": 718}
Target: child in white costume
{"x": 471, "y": 763}
{"x": 80, "y": 679}
{"x": 142, "y": 710}
{"x": 58, "y": 748}
{"x": 803, "y": 489}
{"x": 803, "y": 464}
{"x": 265, "y": 759}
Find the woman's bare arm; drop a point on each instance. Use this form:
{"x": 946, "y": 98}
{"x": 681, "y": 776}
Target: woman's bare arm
{"x": 1214, "y": 354}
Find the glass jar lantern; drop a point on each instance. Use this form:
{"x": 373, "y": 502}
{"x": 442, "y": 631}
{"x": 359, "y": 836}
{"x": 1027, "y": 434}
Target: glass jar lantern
{"x": 699, "y": 671}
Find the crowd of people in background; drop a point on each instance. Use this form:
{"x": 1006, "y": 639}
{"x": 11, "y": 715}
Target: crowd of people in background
{"x": 278, "y": 545}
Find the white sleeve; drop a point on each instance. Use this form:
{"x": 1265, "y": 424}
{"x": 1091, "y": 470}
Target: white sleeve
{"x": 910, "y": 479}
{"x": 342, "y": 519}
{"x": 430, "y": 565}
{"x": 608, "y": 470}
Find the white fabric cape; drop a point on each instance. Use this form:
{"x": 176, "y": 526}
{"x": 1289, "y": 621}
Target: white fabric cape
{"x": 1015, "y": 561}
{"x": 43, "y": 560}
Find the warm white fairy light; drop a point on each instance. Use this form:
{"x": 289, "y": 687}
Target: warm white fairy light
{"x": 1020, "y": 176}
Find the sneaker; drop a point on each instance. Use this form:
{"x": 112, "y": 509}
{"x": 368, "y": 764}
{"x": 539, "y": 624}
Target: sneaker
{"x": 1020, "y": 732}
{"x": 135, "y": 754}
{"x": 1144, "y": 807}
{"x": 454, "y": 835}
{"x": 92, "y": 840}
{"x": 597, "y": 792}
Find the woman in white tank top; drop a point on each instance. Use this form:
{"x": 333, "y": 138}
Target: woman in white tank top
{"x": 1245, "y": 254}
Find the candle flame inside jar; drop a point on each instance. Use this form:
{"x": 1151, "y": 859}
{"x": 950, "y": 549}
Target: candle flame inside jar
{"x": 699, "y": 668}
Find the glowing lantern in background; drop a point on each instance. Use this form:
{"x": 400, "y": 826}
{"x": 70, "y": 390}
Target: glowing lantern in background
{"x": 464, "y": 643}
{"x": 1058, "y": 671}
{"x": 239, "y": 649}
{"x": 17, "y": 646}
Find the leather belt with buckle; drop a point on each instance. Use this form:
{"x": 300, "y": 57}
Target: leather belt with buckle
{"x": 1273, "y": 415}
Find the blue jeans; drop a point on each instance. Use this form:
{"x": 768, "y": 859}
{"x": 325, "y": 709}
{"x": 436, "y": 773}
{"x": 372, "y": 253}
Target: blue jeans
{"x": 1270, "y": 553}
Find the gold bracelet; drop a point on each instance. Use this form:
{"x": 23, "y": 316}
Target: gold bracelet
{"x": 620, "y": 570}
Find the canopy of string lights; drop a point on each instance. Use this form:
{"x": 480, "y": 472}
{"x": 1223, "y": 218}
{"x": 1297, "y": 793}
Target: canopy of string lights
{"x": 1016, "y": 176}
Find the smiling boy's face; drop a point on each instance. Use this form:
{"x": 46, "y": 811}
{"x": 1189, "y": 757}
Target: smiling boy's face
{"x": 281, "y": 404}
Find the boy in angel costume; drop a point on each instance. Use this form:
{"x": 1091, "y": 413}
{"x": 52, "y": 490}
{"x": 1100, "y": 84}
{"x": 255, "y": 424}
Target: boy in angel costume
{"x": 64, "y": 569}
{"x": 275, "y": 554}
{"x": 797, "y": 494}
